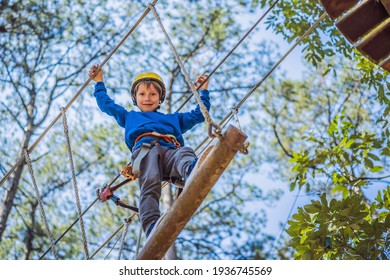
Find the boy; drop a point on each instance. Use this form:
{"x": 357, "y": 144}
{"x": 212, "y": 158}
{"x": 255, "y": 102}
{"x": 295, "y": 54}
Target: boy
{"x": 155, "y": 139}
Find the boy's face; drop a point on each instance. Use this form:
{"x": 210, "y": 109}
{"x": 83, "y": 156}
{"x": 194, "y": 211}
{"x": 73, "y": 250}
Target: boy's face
{"x": 148, "y": 98}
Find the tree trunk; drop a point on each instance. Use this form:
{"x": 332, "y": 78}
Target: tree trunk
{"x": 9, "y": 195}
{"x": 30, "y": 231}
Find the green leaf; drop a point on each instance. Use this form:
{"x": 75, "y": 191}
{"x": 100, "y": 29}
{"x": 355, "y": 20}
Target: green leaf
{"x": 345, "y": 212}
{"x": 308, "y": 255}
{"x": 349, "y": 143}
{"x": 298, "y": 217}
{"x": 303, "y": 239}
{"x": 311, "y": 209}
{"x": 368, "y": 163}
{"x": 374, "y": 157}
{"x": 354, "y": 226}
{"x": 387, "y": 221}
{"x": 376, "y": 169}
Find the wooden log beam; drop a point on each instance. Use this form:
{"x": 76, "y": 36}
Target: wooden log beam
{"x": 198, "y": 186}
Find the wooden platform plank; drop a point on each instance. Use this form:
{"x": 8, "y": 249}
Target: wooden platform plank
{"x": 385, "y": 64}
{"x": 377, "y": 45}
{"x": 361, "y": 19}
{"x": 336, "y": 8}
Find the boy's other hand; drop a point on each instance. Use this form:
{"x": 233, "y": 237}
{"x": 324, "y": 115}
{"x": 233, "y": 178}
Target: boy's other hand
{"x": 96, "y": 73}
{"x": 200, "y": 80}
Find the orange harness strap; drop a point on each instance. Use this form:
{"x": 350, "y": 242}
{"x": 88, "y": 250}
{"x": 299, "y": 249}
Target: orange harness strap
{"x": 166, "y": 137}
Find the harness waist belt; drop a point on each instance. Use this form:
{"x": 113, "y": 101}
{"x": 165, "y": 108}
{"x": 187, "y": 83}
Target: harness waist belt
{"x": 166, "y": 137}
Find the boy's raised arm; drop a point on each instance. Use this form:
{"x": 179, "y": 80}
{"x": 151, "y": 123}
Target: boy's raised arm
{"x": 105, "y": 103}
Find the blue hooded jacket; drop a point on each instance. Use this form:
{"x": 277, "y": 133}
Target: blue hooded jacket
{"x": 136, "y": 123}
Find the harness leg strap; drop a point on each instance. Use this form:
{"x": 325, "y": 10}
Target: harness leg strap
{"x": 145, "y": 148}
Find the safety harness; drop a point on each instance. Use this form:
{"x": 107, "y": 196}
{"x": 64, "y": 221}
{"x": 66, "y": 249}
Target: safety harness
{"x": 145, "y": 147}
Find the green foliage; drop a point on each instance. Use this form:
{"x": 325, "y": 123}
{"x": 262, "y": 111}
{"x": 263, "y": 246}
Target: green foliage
{"x": 342, "y": 155}
{"x": 342, "y": 229}
{"x": 330, "y": 135}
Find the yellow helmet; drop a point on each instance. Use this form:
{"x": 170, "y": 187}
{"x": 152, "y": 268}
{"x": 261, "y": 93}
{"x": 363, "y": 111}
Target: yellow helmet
{"x": 148, "y": 76}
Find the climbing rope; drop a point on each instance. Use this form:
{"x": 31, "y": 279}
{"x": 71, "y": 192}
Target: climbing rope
{"x": 126, "y": 224}
{"x": 75, "y": 188}
{"x": 244, "y": 147}
{"x": 109, "y": 239}
{"x": 30, "y": 169}
{"x": 113, "y": 246}
{"x": 138, "y": 242}
{"x": 209, "y": 121}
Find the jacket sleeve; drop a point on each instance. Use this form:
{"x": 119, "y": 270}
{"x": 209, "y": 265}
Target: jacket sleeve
{"x": 108, "y": 106}
{"x": 190, "y": 119}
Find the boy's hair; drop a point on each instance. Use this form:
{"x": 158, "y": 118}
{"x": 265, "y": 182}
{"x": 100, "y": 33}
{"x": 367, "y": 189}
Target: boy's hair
{"x": 148, "y": 83}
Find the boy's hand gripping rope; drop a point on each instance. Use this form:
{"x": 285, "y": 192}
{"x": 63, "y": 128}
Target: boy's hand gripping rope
{"x": 210, "y": 122}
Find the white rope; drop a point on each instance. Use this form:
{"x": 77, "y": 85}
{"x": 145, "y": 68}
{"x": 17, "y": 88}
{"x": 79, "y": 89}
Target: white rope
{"x": 244, "y": 147}
{"x": 75, "y": 188}
{"x": 30, "y": 169}
{"x": 138, "y": 242}
{"x": 203, "y": 108}
{"x": 125, "y": 229}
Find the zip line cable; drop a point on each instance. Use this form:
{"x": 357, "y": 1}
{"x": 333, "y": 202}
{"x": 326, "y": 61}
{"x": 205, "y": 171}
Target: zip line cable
{"x": 105, "y": 61}
{"x": 230, "y": 114}
{"x": 124, "y": 233}
{"x": 113, "y": 246}
{"x": 111, "y": 237}
{"x": 276, "y": 65}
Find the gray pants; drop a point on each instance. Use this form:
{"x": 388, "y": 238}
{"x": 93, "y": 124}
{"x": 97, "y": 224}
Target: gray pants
{"x": 160, "y": 163}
